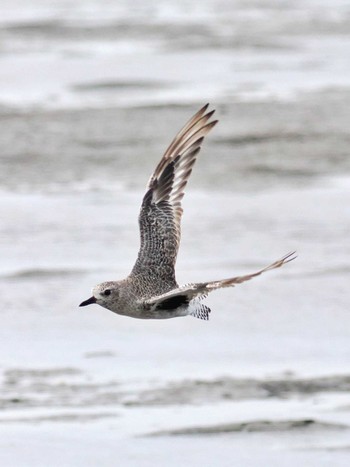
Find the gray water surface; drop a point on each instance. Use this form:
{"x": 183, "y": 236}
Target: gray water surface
{"x": 91, "y": 94}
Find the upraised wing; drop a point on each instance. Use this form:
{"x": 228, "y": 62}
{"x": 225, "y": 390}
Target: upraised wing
{"x": 161, "y": 211}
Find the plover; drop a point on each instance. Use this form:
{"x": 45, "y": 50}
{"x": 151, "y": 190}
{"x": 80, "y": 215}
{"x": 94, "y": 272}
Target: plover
{"x": 150, "y": 290}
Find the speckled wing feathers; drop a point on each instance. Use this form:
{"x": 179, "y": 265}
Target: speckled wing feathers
{"x": 196, "y": 292}
{"x": 161, "y": 211}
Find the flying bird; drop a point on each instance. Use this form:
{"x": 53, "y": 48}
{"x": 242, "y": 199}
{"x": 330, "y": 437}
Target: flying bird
{"x": 151, "y": 291}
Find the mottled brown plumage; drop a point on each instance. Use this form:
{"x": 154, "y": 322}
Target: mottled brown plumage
{"x": 151, "y": 290}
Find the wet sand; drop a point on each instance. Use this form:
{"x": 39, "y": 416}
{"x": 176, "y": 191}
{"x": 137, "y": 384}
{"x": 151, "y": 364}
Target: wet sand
{"x": 266, "y": 380}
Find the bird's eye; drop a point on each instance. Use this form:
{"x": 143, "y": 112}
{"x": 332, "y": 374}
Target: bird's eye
{"x": 107, "y": 292}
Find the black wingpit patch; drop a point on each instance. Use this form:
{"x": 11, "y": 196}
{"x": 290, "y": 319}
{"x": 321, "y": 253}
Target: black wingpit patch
{"x": 173, "y": 302}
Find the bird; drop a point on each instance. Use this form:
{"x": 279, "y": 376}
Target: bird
{"x": 151, "y": 290}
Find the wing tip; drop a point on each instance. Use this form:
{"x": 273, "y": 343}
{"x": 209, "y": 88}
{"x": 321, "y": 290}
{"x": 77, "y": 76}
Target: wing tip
{"x": 291, "y": 256}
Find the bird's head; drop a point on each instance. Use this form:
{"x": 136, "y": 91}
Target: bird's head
{"x": 105, "y": 294}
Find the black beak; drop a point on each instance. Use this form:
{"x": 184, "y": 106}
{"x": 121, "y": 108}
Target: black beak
{"x": 89, "y": 301}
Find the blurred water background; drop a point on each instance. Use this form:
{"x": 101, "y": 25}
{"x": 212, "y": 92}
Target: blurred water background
{"x": 91, "y": 93}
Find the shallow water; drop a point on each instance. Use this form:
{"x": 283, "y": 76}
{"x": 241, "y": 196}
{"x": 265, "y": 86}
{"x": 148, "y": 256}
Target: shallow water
{"x": 265, "y": 381}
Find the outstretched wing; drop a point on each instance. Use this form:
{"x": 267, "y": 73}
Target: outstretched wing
{"x": 161, "y": 211}
{"x": 184, "y": 295}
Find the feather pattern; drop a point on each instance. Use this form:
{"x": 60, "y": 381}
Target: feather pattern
{"x": 161, "y": 210}
{"x": 194, "y": 293}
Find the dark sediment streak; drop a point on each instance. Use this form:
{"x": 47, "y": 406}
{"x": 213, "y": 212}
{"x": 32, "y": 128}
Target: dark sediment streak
{"x": 68, "y": 387}
{"x": 256, "y": 426}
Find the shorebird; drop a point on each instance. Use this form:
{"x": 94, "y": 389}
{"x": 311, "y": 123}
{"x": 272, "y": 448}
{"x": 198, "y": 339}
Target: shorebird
{"x": 150, "y": 290}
